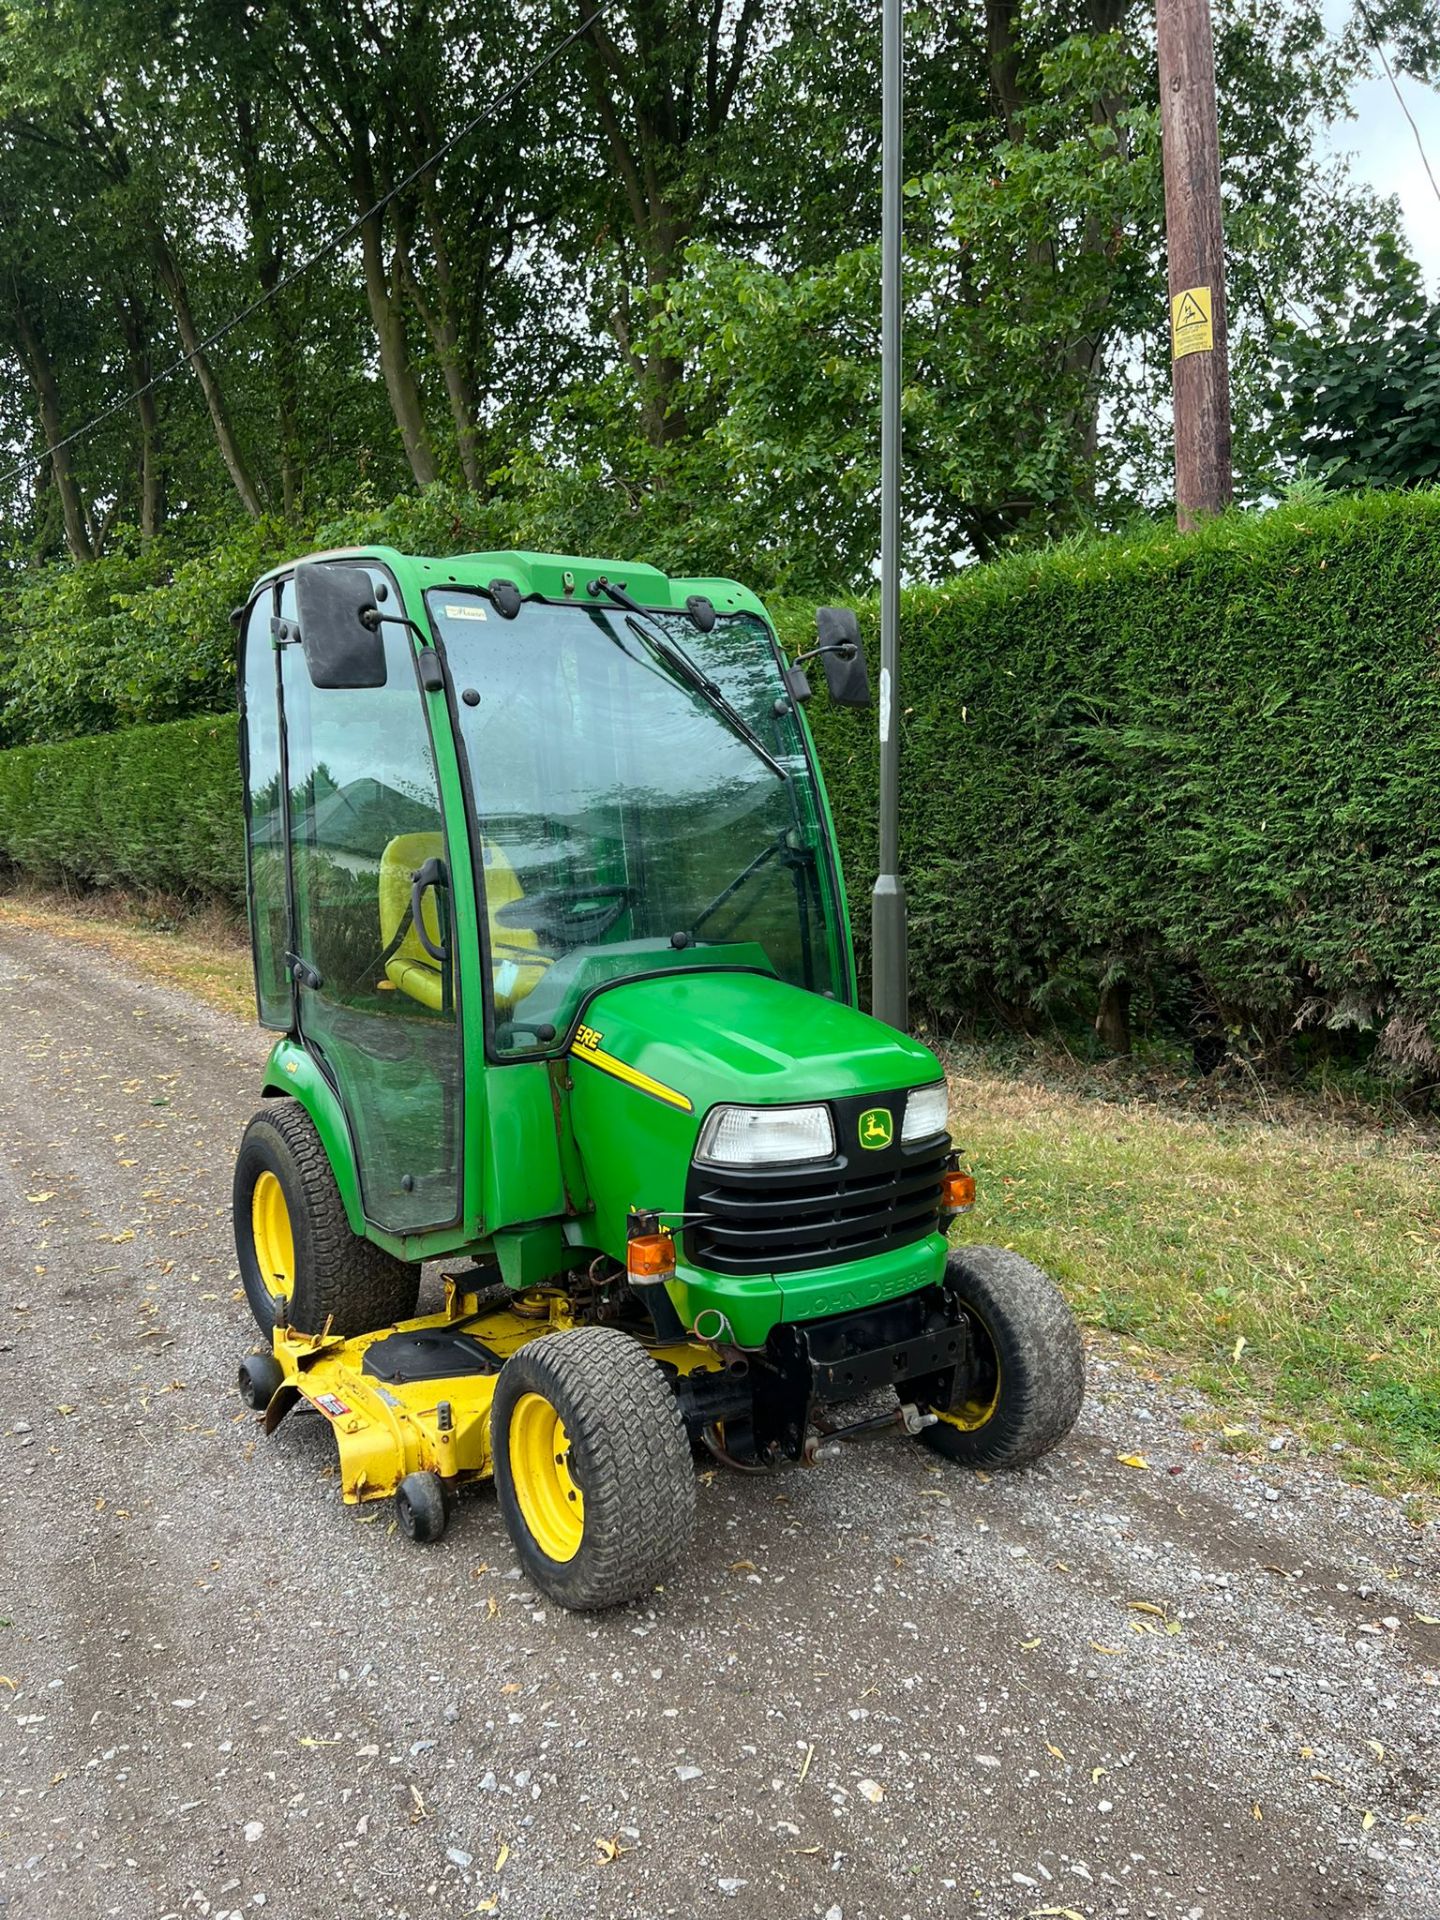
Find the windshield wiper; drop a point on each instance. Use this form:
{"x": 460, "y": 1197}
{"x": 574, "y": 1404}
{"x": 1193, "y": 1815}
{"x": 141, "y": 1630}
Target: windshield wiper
{"x": 685, "y": 669}
{"x": 779, "y": 848}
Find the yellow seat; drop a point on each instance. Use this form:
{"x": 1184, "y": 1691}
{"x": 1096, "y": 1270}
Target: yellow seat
{"x": 515, "y": 956}
{"x": 410, "y": 967}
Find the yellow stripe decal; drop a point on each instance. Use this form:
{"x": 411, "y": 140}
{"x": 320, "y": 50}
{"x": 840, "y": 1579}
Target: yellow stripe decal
{"x": 632, "y": 1076}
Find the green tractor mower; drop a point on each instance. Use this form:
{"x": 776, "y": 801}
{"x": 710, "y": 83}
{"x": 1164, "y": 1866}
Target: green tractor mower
{"x": 549, "y": 922}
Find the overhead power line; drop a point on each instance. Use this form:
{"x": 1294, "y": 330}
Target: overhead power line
{"x": 322, "y": 252}
{"x": 1404, "y": 105}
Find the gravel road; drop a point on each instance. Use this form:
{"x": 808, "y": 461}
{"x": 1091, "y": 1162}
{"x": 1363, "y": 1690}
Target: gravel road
{"x": 1205, "y": 1687}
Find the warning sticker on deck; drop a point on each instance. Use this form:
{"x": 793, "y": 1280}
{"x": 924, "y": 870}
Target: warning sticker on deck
{"x": 1192, "y": 322}
{"x": 331, "y": 1404}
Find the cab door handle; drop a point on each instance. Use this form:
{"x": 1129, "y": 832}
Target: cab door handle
{"x": 432, "y": 874}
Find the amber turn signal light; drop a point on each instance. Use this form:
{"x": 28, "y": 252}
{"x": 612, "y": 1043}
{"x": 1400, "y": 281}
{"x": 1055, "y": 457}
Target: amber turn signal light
{"x": 957, "y": 1193}
{"x": 650, "y": 1258}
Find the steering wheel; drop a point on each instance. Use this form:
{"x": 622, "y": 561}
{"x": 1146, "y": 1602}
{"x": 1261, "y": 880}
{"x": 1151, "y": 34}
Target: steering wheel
{"x": 567, "y": 916}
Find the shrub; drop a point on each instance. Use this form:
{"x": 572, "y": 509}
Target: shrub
{"x": 149, "y": 807}
{"x": 1200, "y": 765}
{"x": 142, "y": 635}
{"x": 1196, "y": 767}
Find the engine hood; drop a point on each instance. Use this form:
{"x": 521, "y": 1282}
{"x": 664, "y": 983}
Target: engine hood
{"x": 652, "y": 1057}
{"x": 703, "y": 1037}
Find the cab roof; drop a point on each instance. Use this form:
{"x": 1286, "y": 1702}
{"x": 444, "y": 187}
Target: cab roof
{"x": 548, "y": 576}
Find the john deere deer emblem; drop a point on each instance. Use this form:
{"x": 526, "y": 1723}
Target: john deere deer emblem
{"x": 876, "y": 1127}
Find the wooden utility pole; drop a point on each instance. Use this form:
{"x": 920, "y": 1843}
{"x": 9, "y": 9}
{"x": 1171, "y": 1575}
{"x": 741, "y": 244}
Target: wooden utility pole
{"x": 1196, "y": 246}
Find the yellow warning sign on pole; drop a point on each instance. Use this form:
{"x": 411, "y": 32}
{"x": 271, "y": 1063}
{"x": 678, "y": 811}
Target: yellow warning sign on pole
{"x": 1192, "y": 323}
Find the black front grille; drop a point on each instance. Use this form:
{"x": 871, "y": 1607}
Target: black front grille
{"x": 790, "y": 1219}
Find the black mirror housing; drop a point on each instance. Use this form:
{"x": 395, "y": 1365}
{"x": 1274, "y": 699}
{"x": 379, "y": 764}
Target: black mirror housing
{"x": 505, "y": 598}
{"x": 339, "y": 633}
{"x": 842, "y": 656}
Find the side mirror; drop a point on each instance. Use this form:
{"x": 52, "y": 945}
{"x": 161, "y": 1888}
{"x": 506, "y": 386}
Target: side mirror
{"x": 339, "y": 632}
{"x": 842, "y": 656}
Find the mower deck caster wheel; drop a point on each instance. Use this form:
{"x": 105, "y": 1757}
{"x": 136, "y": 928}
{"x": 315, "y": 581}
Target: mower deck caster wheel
{"x": 421, "y": 1506}
{"x": 259, "y": 1380}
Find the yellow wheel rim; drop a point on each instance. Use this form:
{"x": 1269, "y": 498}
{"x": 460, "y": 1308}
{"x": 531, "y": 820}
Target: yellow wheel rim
{"x": 974, "y": 1412}
{"x": 273, "y": 1240}
{"x": 552, "y": 1505}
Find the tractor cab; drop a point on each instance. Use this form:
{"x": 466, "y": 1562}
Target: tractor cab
{"x": 548, "y": 918}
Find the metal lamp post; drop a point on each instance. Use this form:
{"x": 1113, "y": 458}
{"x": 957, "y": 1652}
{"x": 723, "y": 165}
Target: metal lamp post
{"x": 889, "y": 983}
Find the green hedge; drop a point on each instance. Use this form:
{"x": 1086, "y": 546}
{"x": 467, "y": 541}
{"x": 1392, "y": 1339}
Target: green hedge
{"x": 1206, "y": 766}
{"x": 142, "y": 635}
{"x": 151, "y": 807}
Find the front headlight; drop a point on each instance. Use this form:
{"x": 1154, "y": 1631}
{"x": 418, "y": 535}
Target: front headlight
{"x": 765, "y": 1136}
{"x": 927, "y": 1113}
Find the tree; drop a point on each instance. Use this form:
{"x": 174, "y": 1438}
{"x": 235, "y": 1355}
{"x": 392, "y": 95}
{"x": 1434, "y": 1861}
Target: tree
{"x": 662, "y": 82}
{"x": 70, "y": 109}
{"x": 1021, "y": 262}
{"x": 47, "y": 320}
{"x": 639, "y": 306}
{"x": 1358, "y": 399}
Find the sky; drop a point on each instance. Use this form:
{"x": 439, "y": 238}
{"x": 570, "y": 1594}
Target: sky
{"x": 1383, "y": 151}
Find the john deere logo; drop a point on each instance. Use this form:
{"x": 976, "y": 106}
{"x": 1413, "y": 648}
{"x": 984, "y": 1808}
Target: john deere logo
{"x": 877, "y": 1129}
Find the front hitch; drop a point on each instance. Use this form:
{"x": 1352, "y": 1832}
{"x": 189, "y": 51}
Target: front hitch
{"x": 914, "y": 1347}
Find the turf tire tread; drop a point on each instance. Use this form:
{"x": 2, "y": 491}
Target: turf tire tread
{"x": 339, "y": 1277}
{"x": 1042, "y": 1359}
{"x": 629, "y": 1455}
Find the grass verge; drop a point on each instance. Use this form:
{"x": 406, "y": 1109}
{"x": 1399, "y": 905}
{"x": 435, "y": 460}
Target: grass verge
{"x": 1288, "y": 1264}
{"x": 1279, "y": 1252}
{"x": 205, "y": 951}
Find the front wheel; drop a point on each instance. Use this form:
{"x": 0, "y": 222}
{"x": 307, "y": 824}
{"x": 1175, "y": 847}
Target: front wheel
{"x": 1022, "y": 1394}
{"x": 592, "y": 1466}
{"x": 296, "y": 1251}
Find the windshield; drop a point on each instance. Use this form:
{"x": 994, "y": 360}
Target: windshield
{"x": 624, "y": 824}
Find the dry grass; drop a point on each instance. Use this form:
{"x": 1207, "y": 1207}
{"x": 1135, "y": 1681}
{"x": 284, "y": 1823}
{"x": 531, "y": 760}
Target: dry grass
{"x": 1290, "y": 1262}
{"x": 206, "y": 951}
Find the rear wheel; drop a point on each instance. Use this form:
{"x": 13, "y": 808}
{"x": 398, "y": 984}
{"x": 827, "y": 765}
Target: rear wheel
{"x": 294, "y": 1242}
{"x": 592, "y": 1466}
{"x": 1024, "y": 1391}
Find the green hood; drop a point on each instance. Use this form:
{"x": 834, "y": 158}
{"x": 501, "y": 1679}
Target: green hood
{"x": 654, "y": 1055}
{"x": 749, "y": 1037}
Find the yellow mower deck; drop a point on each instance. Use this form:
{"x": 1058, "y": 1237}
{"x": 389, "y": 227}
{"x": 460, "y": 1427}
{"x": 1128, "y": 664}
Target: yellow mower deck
{"x": 387, "y": 1429}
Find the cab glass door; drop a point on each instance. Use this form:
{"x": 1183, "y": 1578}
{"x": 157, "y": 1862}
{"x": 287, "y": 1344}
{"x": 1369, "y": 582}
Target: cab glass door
{"x": 264, "y": 812}
{"x": 373, "y": 952}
